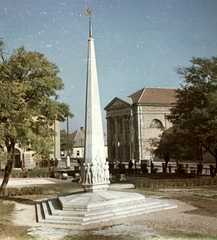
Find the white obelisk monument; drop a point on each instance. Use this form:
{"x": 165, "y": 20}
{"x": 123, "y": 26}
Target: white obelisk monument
{"x": 95, "y": 204}
{"x": 94, "y": 169}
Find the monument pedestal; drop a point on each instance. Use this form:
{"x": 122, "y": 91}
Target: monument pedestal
{"x": 91, "y": 207}
{"x": 95, "y": 187}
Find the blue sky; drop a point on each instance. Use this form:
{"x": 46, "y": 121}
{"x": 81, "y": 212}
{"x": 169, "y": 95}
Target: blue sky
{"x": 138, "y": 43}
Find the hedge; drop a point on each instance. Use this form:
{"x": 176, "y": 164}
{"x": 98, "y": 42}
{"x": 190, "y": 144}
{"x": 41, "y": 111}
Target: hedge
{"x": 9, "y": 192}
{"x": 175, "y": 183}
{"x": 29, "y": 174}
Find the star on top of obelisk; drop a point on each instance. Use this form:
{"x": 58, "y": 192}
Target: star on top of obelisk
{"x": 89, "y": 11}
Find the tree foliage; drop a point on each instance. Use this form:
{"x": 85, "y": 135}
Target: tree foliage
{"x": 195, "y": 114}
{"x": 28, "y": 101}
{"x": 164, "y": 146}
{"x": 171, "y": 145}
{"x": 66, "y": 144}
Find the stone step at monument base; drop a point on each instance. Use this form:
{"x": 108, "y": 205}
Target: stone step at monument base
{"x": 86, "y": 208}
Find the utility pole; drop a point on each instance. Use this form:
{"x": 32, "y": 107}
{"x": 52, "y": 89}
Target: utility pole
{"x": 67, "y": 144}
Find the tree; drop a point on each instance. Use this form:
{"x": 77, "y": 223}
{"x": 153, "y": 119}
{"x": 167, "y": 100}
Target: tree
{"x": 66, "y": 144}
{"x": 29, "y": 106}
{"x": 195, "y": 113}
{"x": 2, "y": 52}
{"x": 163, "y": 147}
{"x": 172, "y": 145}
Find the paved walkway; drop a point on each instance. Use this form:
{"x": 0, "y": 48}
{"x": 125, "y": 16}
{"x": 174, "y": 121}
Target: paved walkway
{"x": 21, "y": 182}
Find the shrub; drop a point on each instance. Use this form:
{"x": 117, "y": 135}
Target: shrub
{"x": 174, "y": 183}
{"x": 10, "y": 192}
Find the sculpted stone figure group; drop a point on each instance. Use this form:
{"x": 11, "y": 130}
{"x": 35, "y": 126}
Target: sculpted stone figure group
{"x": 95, "y": 173}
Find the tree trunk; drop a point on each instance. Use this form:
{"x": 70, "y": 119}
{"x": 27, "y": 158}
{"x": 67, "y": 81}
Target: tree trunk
{"x": 8, "y": 167}
{"x": 167, "y": 159}
{"x": 215, "y": 171}
{"x": 166, "y": 165}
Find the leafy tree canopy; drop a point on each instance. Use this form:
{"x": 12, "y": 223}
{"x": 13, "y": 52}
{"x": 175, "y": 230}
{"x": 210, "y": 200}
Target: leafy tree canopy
{"x": 28, "y": 101}
{"x": 66, "y": 143}
{"x": 171, "y": 145}
{"x": 195, "y": 114}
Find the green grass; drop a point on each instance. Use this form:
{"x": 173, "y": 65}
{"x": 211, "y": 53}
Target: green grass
{"x": 2, "y": 228}
{"x": 183, "y": 236}
{"x": 25, "y": 236}
{"x": 6, "y": 209}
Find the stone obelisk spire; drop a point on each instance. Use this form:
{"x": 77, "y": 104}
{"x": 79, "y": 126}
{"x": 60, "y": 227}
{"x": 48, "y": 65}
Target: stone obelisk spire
{"x": 94, "y": 170}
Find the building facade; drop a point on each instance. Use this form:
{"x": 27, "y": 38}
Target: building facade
{"x": 78, "y": 147}
{"x": 25, "y": 157}
{"x": 132, "y": 121}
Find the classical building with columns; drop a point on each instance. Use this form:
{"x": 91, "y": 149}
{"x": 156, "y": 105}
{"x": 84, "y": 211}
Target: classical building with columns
{"x": 132, "y": 121}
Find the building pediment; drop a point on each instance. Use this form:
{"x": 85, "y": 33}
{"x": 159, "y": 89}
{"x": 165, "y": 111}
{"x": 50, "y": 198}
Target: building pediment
{"x": 119, "y": 103}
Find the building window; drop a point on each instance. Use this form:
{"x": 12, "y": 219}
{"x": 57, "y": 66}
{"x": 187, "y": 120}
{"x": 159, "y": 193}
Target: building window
{"x": 155, "y": 123}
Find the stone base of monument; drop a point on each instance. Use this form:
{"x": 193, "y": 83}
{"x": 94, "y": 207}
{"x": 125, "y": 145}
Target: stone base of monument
{"x": 91, "y": 207}
{"x": 95, "y": 187}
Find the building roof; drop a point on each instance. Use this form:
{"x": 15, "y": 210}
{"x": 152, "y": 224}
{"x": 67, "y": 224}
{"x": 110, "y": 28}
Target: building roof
{"x": 154, "y": 95}
{"x": 149, "y": 96}
{"x": 79, "y": 135}
{"x": 119, "y": 102}
{"x": 127, "y": 100}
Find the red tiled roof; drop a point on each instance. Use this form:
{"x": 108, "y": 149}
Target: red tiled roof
{"x": 154, "y": 95}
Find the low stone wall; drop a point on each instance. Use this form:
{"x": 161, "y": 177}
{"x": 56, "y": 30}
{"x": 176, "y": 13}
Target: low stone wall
{"x": 175, "y": 183}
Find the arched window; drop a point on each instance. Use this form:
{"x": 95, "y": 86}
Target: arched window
{"x": 155, "y": 123}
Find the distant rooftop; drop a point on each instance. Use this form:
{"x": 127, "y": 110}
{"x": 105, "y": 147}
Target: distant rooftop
{"x": 79, "y": 135}
{"x": 154, "y": 95}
